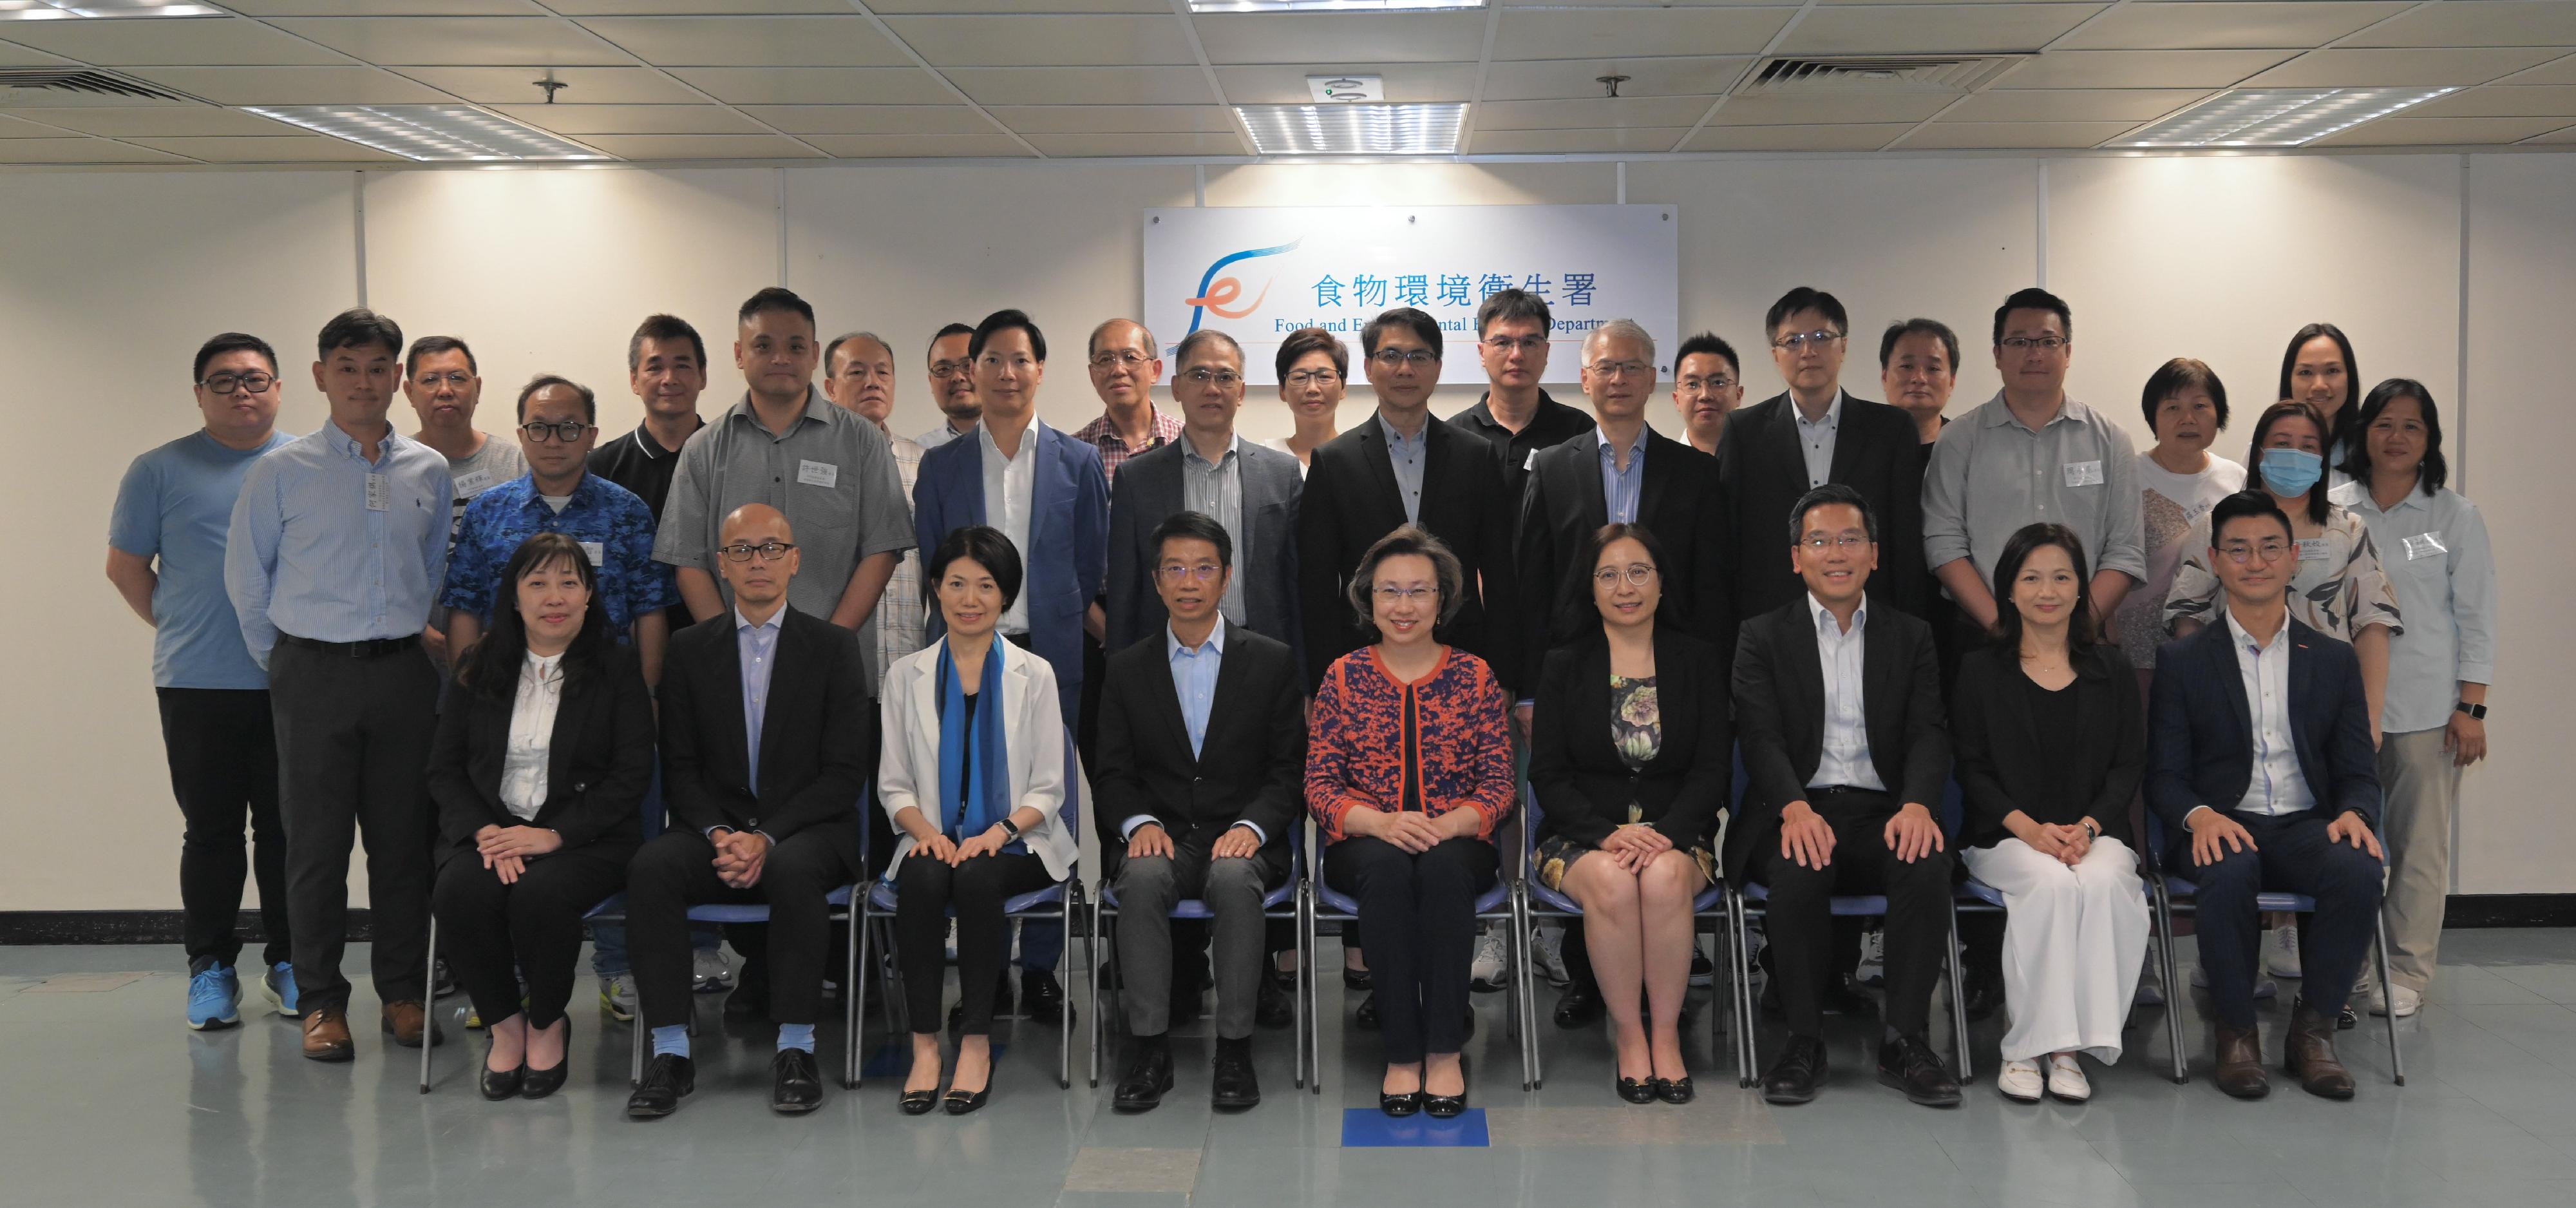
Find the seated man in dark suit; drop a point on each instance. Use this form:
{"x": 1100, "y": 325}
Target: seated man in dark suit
{"x": 1202, "y": 760}
{"x": 2258, "y": 745}
{"x": 760, "y": 764}
{"x": 1838, "y": 717}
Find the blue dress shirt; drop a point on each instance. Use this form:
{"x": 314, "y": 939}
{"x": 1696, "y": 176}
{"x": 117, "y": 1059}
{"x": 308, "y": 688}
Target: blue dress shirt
{"x": 1194, "y": 673}
{"x": 1619, "y": 487}
{"x": 329, "y": 546}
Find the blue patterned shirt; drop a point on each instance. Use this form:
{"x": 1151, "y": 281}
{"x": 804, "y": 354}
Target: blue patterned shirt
{"x": 611, "y": 522}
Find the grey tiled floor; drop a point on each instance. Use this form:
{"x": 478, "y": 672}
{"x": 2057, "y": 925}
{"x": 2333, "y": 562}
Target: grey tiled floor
{"x": 106, "y": 1099}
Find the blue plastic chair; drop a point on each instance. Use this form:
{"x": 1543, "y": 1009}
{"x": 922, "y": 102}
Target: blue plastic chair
{"x": 1279, "y": 903}
{"x": 1538, "y": 901}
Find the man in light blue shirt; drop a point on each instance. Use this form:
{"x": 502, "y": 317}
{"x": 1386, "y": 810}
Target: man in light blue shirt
{"x": 173, "y": 508}
{"x": 332, "y": 560}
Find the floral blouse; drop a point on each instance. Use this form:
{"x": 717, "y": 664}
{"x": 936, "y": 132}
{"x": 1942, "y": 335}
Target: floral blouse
{"x": 1437, "y": 744}
{"x": 2339, "y": 589}
{"x": 1636, "y": 723}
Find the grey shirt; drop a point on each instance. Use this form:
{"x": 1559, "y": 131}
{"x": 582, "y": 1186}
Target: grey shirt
{"x": 1816, "y": 440}
{"x": 833, "y": 476}
{"x": 1990, "y": 476}
{"x": 1215, "y": 490}
{"x": 497, "y": 462}
{"x": 1406, "y": 454}
{"x": 2434, "y": 551}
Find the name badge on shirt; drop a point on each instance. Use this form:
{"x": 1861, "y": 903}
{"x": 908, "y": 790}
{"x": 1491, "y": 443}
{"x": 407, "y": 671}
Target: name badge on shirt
{"x": 2312, "y": 549}
{"x": 2084, "y": 473}
{"x": 379, "y": 492}
{"x": 818, "y": 473}
{"x": 597, "y": 552}
{"x": 473, "y": 484}
{"x": 2425, "y": 545}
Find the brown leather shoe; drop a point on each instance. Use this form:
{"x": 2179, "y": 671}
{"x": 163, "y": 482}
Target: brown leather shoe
{"x": 2312, "y": 1056}
{"x": 2240, "y": 1063}
{"x": 404, "y": 1020}
{"x": 326, "y": 1034}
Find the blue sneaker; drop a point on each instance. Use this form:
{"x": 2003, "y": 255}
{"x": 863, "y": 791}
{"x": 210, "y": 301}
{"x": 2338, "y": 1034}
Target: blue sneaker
{"x": 213, "y": 995}
{"x": 279, "y": 985}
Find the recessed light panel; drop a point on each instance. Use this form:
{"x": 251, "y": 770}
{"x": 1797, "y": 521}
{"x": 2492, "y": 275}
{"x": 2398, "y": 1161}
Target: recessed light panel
{"x": 2276, "y": 117}
{"x": 66, "y": 10}
{"x": 1329, "y": 6}
{"x": 429, "y": 132}
{"x": 1354, "y": 129}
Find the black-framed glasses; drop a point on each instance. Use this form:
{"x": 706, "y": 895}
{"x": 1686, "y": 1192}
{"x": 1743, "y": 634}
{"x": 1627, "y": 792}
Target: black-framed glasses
{"x": 2241, "y": 552}
{"x": 568, "y": 431}
{"x": 226, "y": 383}
{"x": 1797, "y": 341}
{"x": 943, "y": 370}
{"x": 1636, "y": 573}
{"x": 1174, "y": 572}
{"x": 2041, "y": 343}
{"x": 1509, "y": 344}
{"x": 1223, "y": 378}
{"x": 742, "y": 551}
{"x": 1419, "y": 358}
{"x": 1313, "y": 377}
{"x": 454, "y": 377}
{"x": 1713, "y": 382}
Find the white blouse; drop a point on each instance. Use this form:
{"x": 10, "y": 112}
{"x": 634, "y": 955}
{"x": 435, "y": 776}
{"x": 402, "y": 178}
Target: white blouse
{"x": 532, "y": 731}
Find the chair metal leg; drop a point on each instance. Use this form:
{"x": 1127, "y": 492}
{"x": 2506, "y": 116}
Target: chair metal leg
{"x": 1532, "y": 1074}
{"x": 1959, "y": 999}
{"x": 1744, "y": 1054}
{"x": 1100, "y": 914}
{"x": 1064, "y": 1023}
{"x": 2379, "y": 950}
{"x": 2177, "y": 995}
{"x": 429, "y": 1021}
{"x": 863, "y": 929}
{"x": 1314, "y": 1005}
{"x": 1297, "y": 1008}
{"x": 854, "y": 993}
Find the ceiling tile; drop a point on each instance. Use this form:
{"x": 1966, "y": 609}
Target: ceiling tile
{"x": 701, "y": 8}
{"x": 1082, "y": 85}
{"x": 1829, "y": 110}
{"x": 850, "y": 41}
{"x": 2486, "y": 23}
{"x": 22, "y": 127}
{"x": 1326, "y": 37}
{"x": 13, "y": 55}
{"x": 1074, "y": 146}
{"x": 589, "y": 85}
{"x": 2368, "y": 68}
{"x": 1593, "y": 113}
{"x": 1933, "y": 28}
{"x": 2072, "y": 104}
{"x": 277, "y": 149}
{"x": 440, "y": 41}
{"x": 915, "y": 146}
{"x": 1046, "y": 41}
{"x": 2504, "y": 100}
{"x": 1863, "y": 137}
{"x": 1576, "y": 34}
{"x": 387, "y": 8}
{"x": 2567, "y": 135}
{"x": 1570, "y": 78}
{"x": 1286, "y": 84}
{"x": 1941, "y": 135}
{"x": 294, "y": 85}
{"x": 168, "y": 41}
{"x": 79, "y": 151}
{"x": 699, "y": 146}
{"x": 1115, "y": 119}
{"x": 924, "y": 121}
{"x": 1575, "y": 142}
{"x": 2140, "y": 68}
{"x": 2441, "y": 131}
{"x": 156, "y": 121}
{"x": 578, "y": 120}
{"x": 2229, "y": 26}
{"x": 2563, "y": 71}
{"x": 817, "y": 85}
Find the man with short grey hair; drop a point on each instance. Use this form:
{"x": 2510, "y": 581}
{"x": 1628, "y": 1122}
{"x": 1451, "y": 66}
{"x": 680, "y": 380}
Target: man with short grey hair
{"x": 858, "y": 376}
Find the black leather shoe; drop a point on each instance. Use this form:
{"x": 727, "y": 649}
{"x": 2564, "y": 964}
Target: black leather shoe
{"x": 918, "y": 1103}
{"x": 1148, "y": 1078}
{"x": 1985, "y": 994}
{"x": 667, "y": 1080}
{"x": 1579, "y": 1006}
{"x": 1274, "y": 1005}
{"x": 1674, "y": 1090}
{"x": 1796, "y": 1075}
{"x": 1635, "y": 1090}
{"x": 959, "y": 1103}
{"x": 1400, "y": 1106}
{"x": 1444, "y": 1107}
{"x": 1041, "y": 997}
{"x": 537, "y": 1084}
{"x": 1909, "y": 1064}
{"x": 501, "y": 1084}
{"x": 1235, "y": 1088}
{"x": 1354, "y": 979}
{"x": 795, "y": 1086}
{"x": 1365, "y": 1019}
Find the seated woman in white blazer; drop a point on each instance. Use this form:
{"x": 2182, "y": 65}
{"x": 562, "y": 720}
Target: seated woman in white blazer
{"x": 972, "y": 778}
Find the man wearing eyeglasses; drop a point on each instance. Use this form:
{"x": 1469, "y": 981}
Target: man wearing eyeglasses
{"x": 1125, "y": 365}
{"x": 1708, "y": 385}
{"x": 1516, "y": 415}
{"x": 165, "y": 555}
{"x": 444, "y": 386}
{"x": 952, "y": 386}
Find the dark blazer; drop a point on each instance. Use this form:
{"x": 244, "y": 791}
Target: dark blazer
{"x": 1068, "y": 539}
{"x": 2002, "y": 767}
{"x": 810, "y": 770}
{"x": 599, "y": 761}
{"x": 1351, "y": 501}
{"x": 2200, "y": 730}
{"x": 1148, "y": 492}
{"x": 1252, "y": 765}
{"x": 1583, "y": 784}
{"x": 1780, "y": 716}
{"x": 1563, "y": 506}
{"x": 1761, "y": 472}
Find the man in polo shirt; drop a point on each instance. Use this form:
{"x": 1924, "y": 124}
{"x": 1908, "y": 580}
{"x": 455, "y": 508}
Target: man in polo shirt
{"x": 444, "y": 386}
{"x": 1516, "y": 415}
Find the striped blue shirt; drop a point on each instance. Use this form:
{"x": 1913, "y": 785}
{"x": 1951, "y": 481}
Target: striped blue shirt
{"x": 328, "y": 546}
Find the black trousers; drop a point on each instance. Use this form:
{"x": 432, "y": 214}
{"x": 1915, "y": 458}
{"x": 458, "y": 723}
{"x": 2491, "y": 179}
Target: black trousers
{"x": 925, "y": 890}
{"x": 494, "y": 933}
{"x": 353, "y": 738}
{"x": 1981, "y": 932}
{"x": 222, "y": 745}
{"x": 1801, "y": 919}
{"x": 677, "y": 870}
{"x": 1417, "y": 918}
{"x": 2291, "y": 854}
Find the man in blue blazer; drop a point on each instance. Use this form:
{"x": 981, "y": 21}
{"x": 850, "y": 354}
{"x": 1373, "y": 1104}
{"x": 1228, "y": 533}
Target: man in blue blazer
{"x": 1047, "y": 493}
{"x": 2258, "y": 747}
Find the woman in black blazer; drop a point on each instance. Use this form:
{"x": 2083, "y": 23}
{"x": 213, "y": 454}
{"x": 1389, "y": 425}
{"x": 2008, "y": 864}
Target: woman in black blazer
{"x": 2051, "y": 744}
{"x": 1631, "y": 756}
{"x": 544, "y": 753}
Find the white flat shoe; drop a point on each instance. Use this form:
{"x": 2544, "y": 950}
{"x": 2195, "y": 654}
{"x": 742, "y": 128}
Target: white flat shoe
{"x": 2400, "y": 999}
{"x": 2066, "y": 1079}
{"x": 2020, "y": 1081}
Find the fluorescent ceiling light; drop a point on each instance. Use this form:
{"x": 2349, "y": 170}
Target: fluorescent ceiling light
{"x": 428, "y": 132}
{"x": 1354, "y": 129}
{"x": 64, "y": 10}
{"x": 2276, "y": 117}
{"x": 1328, "y": 6}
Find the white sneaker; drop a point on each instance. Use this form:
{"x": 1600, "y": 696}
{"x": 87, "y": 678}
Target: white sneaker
{"x": 1873, "y": 958}
{"x": 2066, "y": 1079}
{"x": 2281, "y": 951}
{"x": 1492, "y": 969}
{"x": 708, "y": 972}
{"x": 1547, "y": 955}
{"x": 2400, "y": 999}
{"x": 2020, "y": 1081}
{"x": 617, "y": 997}
{"x": 2264, "y": 987}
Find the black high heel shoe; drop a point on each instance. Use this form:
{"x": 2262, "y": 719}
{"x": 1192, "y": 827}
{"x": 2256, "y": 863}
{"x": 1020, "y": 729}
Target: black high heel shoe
{"x": 1672, "y": 1090}
{"x": 1400, "y": 1106}
{"x": 960, "y": 1103}
{"x": 501, "y": 1084}
{"x": 1639, "y": 1090}
{"x": 1444, "y": 1107}
{"x": 918, "y": 1103}
{"x": 537, "y": 1084}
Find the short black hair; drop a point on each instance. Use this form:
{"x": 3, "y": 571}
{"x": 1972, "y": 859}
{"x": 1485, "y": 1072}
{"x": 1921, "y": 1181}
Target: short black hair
{"x": 2290, "y": 408}
{"x": 1007, "y": 320}
{"x": 1423, "y": 326}
{"x": 776, "y": 297}
{"x": 1193, "y": 526}
{"x": 1312, "y": 339}
{"x": 1918, "y": 326}
{"x": 2436, "y": 469}
{"x": 359, "y": 327}
{"x": 2034, "y": 298}
{"x": 2351, "y": 375}
{"x": 663, "y": 329}
{"x": 231, "y": 341}
{"x": 430, "y": 346}
{"x": 953, "y": 329}
{"x": 846, "y": 337}
{"x": 2180, "y": 374}
{"x": 1404, "y": 539}
{"x": 589, "y": 400}
{"x": 2006, "y": 630}
{"x": 981, "y": 544}
{"x": 1827, "y": 496}
{"x": 1805, "y": 298}
{"x": 1707, "y": 342}
{"x": 1206, "y": 335}
{"x": 1518, "y": 305}
{"x": 2253, "y": 502}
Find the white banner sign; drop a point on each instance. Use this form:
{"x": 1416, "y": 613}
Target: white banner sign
{"x": 1258, "y": 274}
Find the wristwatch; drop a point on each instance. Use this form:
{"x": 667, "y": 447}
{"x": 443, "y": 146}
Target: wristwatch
{"x": 2477, "y": 711}
{"x": 1009, "y": 827}
{"x": 2093, "y": 828}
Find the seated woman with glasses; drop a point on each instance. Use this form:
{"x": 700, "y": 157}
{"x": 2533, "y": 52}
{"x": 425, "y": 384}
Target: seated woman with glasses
{"x": 543, "y": 754}
{"x": 1408, "y": 773}
{"x": 973, "y": 779}
{"x": 1631, "y": 756}
{"x": 1314, "y": 372}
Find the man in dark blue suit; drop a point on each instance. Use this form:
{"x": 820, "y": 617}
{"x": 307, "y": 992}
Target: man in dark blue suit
{"x": 2259, "y": 747}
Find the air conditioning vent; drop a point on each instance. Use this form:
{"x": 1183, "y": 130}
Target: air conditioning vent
{"x": 52, "y": 86}
{"x": 1876, "y": 74}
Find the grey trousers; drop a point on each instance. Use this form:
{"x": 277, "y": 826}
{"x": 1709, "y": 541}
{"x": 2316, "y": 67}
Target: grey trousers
{"x": 1148, "y": 888}
{"x": 2423, "y": 790}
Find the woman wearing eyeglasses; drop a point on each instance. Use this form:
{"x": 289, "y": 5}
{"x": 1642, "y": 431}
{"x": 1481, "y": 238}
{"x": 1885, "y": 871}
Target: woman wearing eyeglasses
{"x": 1314, "y": 372}
{"x": 1408, "y": 773}
{"x": 1630, "y": 756}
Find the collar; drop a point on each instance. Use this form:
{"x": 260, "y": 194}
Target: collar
{"x": 818, "y": 409}
{"x": 582, "y": 493}
{"x": 1999, "y": 413}
{"x": 1825, "y": 622}
{"x": 1483, "y": 411}
{"x": 546, "y": 666}
{"x": 1190, "y": 450}
{"x": 1028, "y": 441}
{"x": 1833, "y": 410}
{"x": 343, "y": 443}
{"x": 741, "y": 622}
{"x": 1394, "y": 437}
{"x": 1636, "y": 451}
{"x": 1173, "y": 649}
{"x": 652, "y": 449}
{"x": 2355, "y": 496}
{"x": 2245, "y": 637}
{"x": 1158, "y": 429}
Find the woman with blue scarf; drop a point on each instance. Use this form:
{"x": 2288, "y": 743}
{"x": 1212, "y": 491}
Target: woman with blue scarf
{"x": 972, "y": 778}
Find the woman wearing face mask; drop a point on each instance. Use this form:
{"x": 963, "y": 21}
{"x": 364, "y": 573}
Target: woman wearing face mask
{"x": 1314, "y": 371}
{"x": 2317, "y": 369}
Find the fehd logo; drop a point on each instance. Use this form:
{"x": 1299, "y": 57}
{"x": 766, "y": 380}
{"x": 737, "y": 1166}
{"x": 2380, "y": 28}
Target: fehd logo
{"x": 1219, "y": 295}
